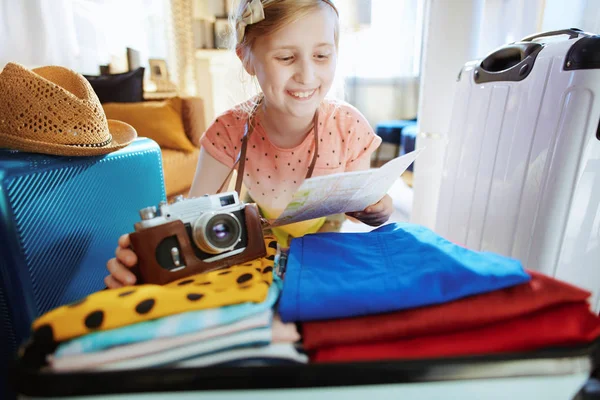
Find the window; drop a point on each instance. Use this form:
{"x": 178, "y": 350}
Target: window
{"x": 380, "y": 38}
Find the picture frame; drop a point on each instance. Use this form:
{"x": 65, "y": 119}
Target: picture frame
{"x": 105, "y": 69}
{"x": 133, "y": 59}
{"x": 222, "y": 33}
{"x": 158, "y": 70}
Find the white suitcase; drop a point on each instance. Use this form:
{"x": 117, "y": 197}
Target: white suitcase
{"x": 522, "y": 169}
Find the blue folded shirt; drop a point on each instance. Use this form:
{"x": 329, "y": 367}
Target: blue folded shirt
{"x": 395, "y": 267}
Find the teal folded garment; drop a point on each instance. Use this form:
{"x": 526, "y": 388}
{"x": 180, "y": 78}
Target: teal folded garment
{"x": 395, "y": 267}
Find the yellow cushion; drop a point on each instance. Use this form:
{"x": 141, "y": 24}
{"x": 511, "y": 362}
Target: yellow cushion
{"x": 157, "y": 120}
{"x": 192, "y": 115}
{"x": 179, "y": 169}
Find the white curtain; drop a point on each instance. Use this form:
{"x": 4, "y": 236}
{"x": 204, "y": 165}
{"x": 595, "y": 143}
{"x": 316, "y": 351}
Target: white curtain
{"x": 182, "y": 54}
{"x": 81, "y": 34}
{"x": 582, "y": 14}
{"x": 36, "y": 32}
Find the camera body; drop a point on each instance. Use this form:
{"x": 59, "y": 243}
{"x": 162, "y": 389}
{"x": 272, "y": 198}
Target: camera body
{"x": 195, "y": 235}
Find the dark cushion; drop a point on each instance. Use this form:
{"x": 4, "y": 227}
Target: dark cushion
{"x": 127, "y": 87}
{"x": 409, "y": 141}
{"x": 391, "y": 131}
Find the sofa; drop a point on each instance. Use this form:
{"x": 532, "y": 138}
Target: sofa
{"x": 176, "y": 124}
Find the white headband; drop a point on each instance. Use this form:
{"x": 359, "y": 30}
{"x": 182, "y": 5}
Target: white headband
{"x": 254, "y": 12}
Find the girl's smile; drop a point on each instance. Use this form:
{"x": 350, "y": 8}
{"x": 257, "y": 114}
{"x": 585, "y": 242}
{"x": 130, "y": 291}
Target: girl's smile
{"x": 303, "y": 95}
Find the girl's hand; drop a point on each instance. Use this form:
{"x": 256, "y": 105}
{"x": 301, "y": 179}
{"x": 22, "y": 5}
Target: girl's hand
{"x": 120, "y": 275}
{"x": 376, "y": 214}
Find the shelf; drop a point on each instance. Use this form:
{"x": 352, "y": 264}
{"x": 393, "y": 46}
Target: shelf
{"x": 206, "y": 54}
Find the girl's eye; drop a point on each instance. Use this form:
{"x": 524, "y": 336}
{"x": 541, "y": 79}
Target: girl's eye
{"x": 285, "y": 59}
{"x": 322, "y": 56}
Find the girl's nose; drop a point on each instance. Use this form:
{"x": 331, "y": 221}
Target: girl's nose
{"x": 305, "y": 72}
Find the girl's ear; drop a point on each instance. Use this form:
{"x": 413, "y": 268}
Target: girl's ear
{"x": 245, "y": 60}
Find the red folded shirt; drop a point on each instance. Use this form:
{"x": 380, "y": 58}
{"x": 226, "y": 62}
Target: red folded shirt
{"x": 540, "y": 292}
{"x": 562, "y": 325}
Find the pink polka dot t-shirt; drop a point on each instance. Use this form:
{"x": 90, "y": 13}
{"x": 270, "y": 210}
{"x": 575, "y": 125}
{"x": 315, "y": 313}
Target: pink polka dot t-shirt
{"x": 273, "y": 174}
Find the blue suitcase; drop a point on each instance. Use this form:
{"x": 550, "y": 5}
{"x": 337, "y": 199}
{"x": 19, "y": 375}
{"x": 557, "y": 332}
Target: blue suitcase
{"x": 60, "y": 219}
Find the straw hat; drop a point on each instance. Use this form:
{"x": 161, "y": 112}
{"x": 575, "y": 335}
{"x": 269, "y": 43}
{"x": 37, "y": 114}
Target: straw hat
{"x": 54, "y": 110}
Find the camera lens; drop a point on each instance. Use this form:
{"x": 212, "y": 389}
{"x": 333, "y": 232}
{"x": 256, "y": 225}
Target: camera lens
{"x": 216, "y": 233}
{"x": 221, "y": 230}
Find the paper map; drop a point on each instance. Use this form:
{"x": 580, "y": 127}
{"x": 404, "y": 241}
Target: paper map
{"x": 344, "y": 192}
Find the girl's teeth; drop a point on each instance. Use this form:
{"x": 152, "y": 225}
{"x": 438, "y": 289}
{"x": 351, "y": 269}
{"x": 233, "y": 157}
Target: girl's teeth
{"x": 302, "y": 94}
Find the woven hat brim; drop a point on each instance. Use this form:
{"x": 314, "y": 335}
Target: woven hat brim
{"x": 121, "y": 132}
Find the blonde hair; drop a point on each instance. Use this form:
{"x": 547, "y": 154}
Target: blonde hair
{"x": 278, "y": 14}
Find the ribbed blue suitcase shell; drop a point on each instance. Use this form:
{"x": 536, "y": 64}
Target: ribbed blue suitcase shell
{"x": 60, "y": 219}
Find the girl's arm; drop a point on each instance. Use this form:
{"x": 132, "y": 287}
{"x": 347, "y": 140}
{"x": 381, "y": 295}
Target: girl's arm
{"x": 209, "y": 176}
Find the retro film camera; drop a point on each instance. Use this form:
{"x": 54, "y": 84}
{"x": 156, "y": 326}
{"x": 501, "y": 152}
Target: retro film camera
{"x": 195, "y": 235}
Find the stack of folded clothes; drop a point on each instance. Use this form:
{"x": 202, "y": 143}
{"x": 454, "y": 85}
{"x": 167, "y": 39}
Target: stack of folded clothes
{"x": 398, "y": 292}
{"x": 403, "y": 292}
{"x": 215, "y": 318}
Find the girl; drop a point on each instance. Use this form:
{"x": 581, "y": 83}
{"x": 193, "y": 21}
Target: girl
{"x": 293, "y": 132}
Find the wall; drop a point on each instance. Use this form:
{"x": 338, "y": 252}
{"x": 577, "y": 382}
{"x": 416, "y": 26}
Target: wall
{"x": 451, "y": 38}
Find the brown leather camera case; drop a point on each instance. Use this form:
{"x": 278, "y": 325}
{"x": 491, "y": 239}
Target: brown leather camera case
{"x": 146, "y": 241}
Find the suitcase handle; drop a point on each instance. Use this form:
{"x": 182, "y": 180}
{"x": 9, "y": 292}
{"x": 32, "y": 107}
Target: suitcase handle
{"x": 508, "y": 56}
{"x": 572, "y": 32}
{"x": 510, "y": 63}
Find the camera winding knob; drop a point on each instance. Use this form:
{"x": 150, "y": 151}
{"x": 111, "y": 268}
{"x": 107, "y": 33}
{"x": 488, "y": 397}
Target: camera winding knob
{"x": 148, "y": 213}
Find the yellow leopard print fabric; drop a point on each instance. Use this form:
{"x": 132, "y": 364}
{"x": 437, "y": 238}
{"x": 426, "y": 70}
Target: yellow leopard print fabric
{"x": 114, "y": 308}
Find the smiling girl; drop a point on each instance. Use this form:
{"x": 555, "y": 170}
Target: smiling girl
{"x": 290, "y": 131}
